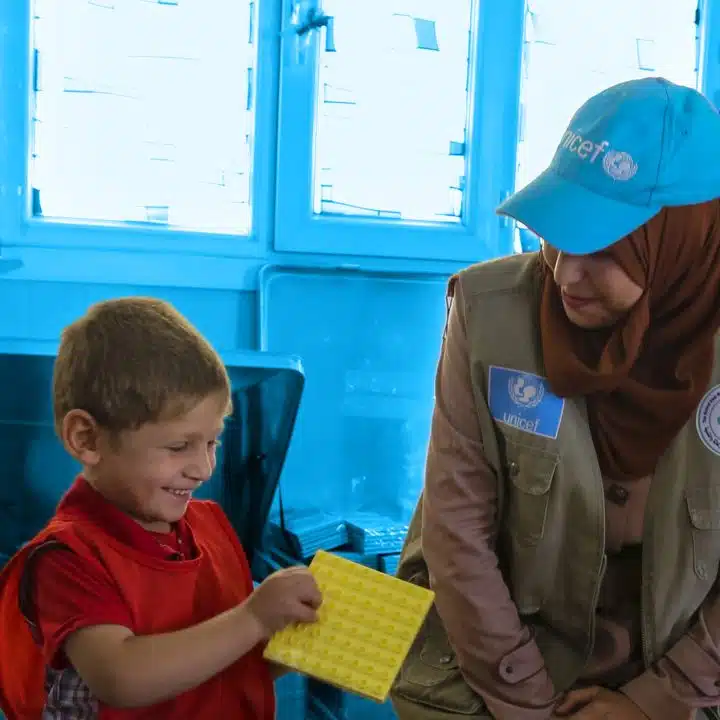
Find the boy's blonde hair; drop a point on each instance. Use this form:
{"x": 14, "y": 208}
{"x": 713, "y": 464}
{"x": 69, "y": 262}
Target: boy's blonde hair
{"x": 131, "y": 361}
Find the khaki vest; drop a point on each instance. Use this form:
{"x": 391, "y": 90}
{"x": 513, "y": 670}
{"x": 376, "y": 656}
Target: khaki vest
{"x": 552, "y": 505}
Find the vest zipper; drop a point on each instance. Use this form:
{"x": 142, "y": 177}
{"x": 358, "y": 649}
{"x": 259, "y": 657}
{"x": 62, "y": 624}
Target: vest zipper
{"x": 645, "y": 587}
{"x": 644, "y": 605}
{"x": 596, "y": 596}
{"x": 646, "y": 649}
{"x": 603, "y": 566}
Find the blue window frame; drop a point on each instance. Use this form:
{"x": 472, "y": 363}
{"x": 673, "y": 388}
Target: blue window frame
{"x": 425, "y": 188}
{"x": 120, "y": 152}
{"x": 708, "y": 18}
{"x": 440, "y": 159}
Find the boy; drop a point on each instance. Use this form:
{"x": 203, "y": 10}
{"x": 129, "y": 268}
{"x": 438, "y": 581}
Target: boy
{"x": 137, "y": 601}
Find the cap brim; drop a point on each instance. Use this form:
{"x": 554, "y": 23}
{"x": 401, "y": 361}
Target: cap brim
{"x": 571, "y": 218}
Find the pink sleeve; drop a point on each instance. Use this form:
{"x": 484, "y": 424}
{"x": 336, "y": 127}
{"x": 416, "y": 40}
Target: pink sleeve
{"x": 496, "y": 653}
{"x": 688, "y": 676}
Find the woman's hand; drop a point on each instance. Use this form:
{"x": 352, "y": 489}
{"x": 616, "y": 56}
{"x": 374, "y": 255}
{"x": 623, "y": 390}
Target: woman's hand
{"x": 596, "y": 703}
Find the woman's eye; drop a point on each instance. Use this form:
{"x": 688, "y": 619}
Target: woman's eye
{"x": 177, "y": 448}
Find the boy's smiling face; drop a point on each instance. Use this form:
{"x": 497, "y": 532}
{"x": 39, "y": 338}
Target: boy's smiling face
{"x": 150, "y": 473}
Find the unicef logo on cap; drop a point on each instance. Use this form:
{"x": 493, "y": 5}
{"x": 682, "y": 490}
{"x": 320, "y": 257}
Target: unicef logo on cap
{"x": 619, "y": 165}
{"x": 708, "y": 420}
{"x": 526, "y": 391}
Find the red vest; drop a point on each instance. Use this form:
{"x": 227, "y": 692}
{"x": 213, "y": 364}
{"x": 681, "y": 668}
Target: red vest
{"x": 162, "y": 596}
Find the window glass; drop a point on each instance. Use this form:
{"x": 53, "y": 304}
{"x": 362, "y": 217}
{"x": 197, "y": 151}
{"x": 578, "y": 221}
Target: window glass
{"x": 143, "y": 112}
{"x": 392, "y": 109}
{"x": 576, "y": 48}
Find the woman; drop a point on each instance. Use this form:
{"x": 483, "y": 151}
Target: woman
{"x": 570, "y": 522}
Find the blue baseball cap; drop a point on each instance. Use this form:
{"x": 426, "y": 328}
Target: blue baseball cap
{"x": 628, "y": 152}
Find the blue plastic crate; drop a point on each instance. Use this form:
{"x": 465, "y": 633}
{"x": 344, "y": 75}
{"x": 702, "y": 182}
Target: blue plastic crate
{"x": 357, "y": 708}
{"x": 307, "y": 532}
{"x": 370, "y": 533}
{"x": 291, "y": 697}
{"x": 389, "y": 563}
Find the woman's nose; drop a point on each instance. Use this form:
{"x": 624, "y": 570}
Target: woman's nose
{"x": 568, "y": 269}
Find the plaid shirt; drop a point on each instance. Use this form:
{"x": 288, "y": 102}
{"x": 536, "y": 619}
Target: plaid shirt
{"x": 68, "y": 697}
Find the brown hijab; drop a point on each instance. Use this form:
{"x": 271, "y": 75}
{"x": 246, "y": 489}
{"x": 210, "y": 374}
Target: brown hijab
{"x": 644, "y": 377}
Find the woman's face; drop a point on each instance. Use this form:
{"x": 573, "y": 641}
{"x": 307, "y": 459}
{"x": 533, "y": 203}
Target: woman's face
{"x": 595, "y": 290}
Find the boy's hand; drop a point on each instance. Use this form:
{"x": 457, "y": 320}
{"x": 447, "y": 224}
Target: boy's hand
{"x": 287, "y": 596}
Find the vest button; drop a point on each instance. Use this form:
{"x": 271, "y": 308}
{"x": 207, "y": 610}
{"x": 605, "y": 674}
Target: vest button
{"x": 617, "y": 494}
{"x": 514, "y": 469}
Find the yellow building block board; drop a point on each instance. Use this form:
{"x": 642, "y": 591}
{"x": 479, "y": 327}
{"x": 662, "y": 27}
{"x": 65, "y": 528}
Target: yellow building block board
{"x": 367, "y": 623}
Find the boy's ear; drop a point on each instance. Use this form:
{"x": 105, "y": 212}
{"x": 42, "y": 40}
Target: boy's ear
{"x": 81, "y": 437}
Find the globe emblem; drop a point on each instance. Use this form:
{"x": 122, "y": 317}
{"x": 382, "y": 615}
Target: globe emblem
{"x": 619, "y": 165}
{"x": 526, "y": 391}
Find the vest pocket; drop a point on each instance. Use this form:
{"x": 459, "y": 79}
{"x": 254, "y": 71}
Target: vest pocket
{"x": 431, "y": 676}
{"x": 529, "y": 477}
{"x": 705, "y": 528}
{"x": 530, "y": 474}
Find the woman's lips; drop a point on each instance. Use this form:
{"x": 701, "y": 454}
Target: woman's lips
{"x": 576, "y": 303}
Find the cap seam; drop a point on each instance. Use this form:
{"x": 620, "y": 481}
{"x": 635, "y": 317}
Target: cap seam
{"x": 662, "y": 145}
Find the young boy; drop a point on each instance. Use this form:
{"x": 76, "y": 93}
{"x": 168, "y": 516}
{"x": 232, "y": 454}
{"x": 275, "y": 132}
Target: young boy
{"x": 136, "y": 601}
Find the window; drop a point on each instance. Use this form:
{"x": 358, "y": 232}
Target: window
{"x": 573, "y": 51}
{"x": 392, "y": 110}
{"x": 389, "y": 117}
{"x": 143, "y": 112}
{"x": 368, "y": 130}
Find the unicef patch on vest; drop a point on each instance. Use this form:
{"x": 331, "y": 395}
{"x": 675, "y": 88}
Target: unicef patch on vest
{"x": 524, "y": 401}
{"x": 708, "y": 420}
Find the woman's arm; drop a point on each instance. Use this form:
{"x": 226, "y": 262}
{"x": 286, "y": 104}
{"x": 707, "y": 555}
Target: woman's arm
{"x": 497, "y": 654}
{"x": 688, "y": 676}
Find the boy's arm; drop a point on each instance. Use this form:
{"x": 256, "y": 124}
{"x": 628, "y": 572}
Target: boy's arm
{"x": 77, "y": 610}
{"x": 125, "y": 671}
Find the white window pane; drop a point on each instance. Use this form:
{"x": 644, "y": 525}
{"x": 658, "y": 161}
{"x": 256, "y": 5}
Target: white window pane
{"x": 143, "y": 112}
{"x": 392, "y": 110}
{"x": 576, "y": 48}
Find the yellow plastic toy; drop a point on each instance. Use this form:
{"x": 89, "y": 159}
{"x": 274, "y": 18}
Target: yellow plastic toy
{"x": 367, "y": 623}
